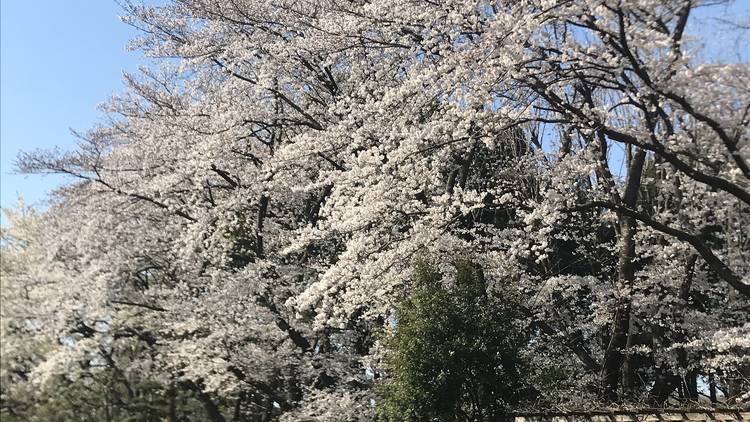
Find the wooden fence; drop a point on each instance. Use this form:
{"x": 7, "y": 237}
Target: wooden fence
{"x": 648, "y": 415}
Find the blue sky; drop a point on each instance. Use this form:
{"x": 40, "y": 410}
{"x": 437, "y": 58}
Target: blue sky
{"x": 60, "y": 58}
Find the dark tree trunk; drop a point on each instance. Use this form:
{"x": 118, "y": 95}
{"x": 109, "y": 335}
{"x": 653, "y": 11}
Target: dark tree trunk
{"x": 614, "y": 357}
{"x": 238, "y": 407}
{"x": 664, "y": 384}
{"x": 712, "y": 388}
{"x": 666, "y": 381}
{"x": 262, "y": 210}
{"x": 172, "y": 404}
{"x": 212, "y": 410}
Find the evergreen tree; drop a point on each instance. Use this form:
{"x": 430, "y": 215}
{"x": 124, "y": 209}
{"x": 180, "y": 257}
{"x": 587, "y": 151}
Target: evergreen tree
{"x": 454, "y": 354}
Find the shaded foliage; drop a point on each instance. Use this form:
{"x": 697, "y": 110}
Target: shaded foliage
{"x": 455, "y": 351}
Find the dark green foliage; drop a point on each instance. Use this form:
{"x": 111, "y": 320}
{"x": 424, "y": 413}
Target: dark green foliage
{"x": 454, "y": 355}
{"x": 105, "y": 396}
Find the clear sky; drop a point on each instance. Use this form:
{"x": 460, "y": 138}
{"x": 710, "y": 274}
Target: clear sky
{"x": 59, "y": 59}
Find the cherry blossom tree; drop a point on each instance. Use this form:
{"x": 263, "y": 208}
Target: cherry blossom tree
{"x": 251, "y": 209}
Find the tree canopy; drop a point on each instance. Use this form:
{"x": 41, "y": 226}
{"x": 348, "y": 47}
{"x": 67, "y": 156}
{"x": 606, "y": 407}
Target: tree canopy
{"x": 242, "y": 228}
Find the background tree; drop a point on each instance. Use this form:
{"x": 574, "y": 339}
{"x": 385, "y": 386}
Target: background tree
{"x": 454, "y": 353}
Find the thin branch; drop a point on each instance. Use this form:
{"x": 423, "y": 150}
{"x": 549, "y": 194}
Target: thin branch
{"x": 716, "y": 264}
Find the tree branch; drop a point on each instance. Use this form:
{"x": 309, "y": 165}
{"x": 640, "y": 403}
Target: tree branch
{"x": 716, "y": 264}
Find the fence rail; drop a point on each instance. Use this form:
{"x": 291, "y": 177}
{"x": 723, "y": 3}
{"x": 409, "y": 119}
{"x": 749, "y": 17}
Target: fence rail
{"x": 640, "y": 415}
